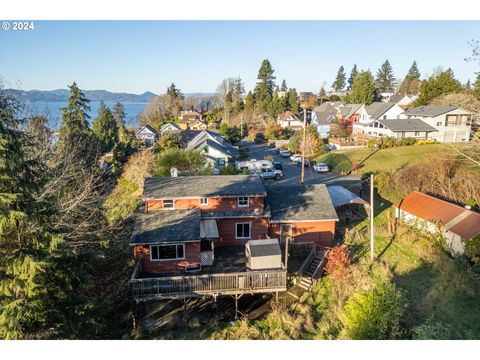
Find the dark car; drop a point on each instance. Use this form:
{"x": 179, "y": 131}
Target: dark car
{"x": 277, "y": 166}
{"x": 307, "y": 163}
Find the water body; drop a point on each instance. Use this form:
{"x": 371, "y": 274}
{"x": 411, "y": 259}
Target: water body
{"x": 53, "y": 111}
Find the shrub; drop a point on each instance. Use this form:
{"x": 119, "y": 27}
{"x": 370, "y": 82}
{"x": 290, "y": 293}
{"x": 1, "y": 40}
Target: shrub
{"x": 432, "y": 330}
{"x": 376, "y": 314}
{"x": 338, "y": 261}
{"x": 189, "y": 160}
{"x": 228, "y": 170}
{"x": 425, "y": 142}
{"x": 372, "y": 143}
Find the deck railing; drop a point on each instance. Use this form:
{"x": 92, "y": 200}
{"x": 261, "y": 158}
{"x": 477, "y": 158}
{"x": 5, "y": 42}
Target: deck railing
{"x": 211, "y": 284}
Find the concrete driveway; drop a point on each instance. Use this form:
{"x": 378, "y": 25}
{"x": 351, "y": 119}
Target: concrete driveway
{"x": 292, "y": 172}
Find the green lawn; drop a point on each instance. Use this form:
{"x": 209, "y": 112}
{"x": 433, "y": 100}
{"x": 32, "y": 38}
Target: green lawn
{"x": 385, "y": 159}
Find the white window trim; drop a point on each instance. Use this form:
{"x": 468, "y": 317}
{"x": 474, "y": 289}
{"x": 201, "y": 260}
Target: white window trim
{"x": 203, "y": 204}
{"x": 242, "y": 197}
{"x": 173, "y": 204}
{"x": 249, "y": 231}
{"x": 182, "y": 258}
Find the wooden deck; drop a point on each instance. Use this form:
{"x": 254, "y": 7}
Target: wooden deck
{"x": 248, "y": 282}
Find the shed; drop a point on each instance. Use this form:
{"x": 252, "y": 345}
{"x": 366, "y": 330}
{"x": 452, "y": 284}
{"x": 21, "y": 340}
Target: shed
{"x": 263, "y": 254}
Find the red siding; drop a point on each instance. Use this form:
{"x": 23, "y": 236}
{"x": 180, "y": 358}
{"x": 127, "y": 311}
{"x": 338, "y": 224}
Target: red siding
{"x": 319, "y": 232}
{"x": 227, "y": 228}
{"x": 214, "y": 204}
{"x": 192, "y": 257}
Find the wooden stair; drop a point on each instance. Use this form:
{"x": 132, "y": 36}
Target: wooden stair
{"x": 314, "y": 269}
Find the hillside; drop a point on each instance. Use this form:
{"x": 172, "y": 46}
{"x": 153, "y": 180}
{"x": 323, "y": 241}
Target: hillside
{"x": 384, "y": 159}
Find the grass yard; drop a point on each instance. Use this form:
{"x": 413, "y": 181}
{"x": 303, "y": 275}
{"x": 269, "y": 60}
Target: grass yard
{"x": 382, "y": 160}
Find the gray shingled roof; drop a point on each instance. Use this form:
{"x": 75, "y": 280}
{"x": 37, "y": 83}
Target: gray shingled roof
{"x": 396, "y": 98}
{"x": 300, "y": 203}
{"x": 430, "y": 110}
{"x": 377, "y": 109}
{"x": 406, "y": 125}
{"x": 234, "y": 214}
{"x": 203, "y": 186}
{"x": 324, "y": 118}
{"x": 166, "y": 226}
{"x": 267, "y": 247}
{"x": 185, "y": 136}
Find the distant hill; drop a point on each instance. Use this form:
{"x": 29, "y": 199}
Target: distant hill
{"x": 93, "y": 95}
{"x": 61, "y": 95}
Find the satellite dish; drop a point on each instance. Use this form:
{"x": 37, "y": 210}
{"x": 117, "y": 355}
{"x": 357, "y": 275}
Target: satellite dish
{"x": 174, "y": 172}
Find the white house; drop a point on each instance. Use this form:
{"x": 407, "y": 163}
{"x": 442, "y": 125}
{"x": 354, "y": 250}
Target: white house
{"x": 323, "y": 116}
{"x": 217, "y": 150}
{"x": 376, "y": 111}
{"x": 289, "y": 120}
{"x": 168, "y": 127}
{"x": 455, "y": 223}
{"x": 147, "y": 134}
{"x": 453, "y": 124}
{"x": 400, "y": 129}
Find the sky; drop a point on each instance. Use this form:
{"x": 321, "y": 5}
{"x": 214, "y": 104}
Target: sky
{"x": 139, "y": 56}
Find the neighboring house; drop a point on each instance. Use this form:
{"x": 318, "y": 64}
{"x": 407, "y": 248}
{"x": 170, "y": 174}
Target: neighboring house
{"x": 190, "y": 118}
{"x": 351, "y": 114}
{"x": 376, "y": 111}
{"x": 290, "y": 120}
{"x": 400, "y": 129}
{"x": 210, "y": 225}
{"x": 307, "y": 98}
{"x": 218, "y": 151}
{"x": 306, "y": 211}
{"x": 453, "y": 124}
{"x": 198, "y": 125}
{"x": 403, "y": 101}
{"x": 168, "y": 127}
{"x": 147, "y": 135}
{"x": 323, "y": 116}
{"x": 456, "y": 223}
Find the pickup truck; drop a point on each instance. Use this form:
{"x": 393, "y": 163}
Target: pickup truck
{"x": 269, "y": 173}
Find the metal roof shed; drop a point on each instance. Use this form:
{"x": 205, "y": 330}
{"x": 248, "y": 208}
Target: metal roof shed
{"x": 263, "y": 254}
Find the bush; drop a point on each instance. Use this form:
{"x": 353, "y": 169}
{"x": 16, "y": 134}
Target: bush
{"x": 372, "y": 143}
{"x": 338, "y": 261}
{"x": 432, "y": 330}
{"x": 376, "y": 314}
{"x": 425, "y": 142}
{"x": 189, "y": 160}
{"x": 228, "y": 170}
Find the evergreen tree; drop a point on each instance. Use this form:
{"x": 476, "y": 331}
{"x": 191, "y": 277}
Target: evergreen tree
{"x": 476, "y": 87}
{"x": 284, "y": 86}
{"x": 249, "y": 101}
{"x": 293, "y": 104}
{"x": 438, "y": 84}
{"x": 276, "y": 106}
{"x": 353, "y": 75}
{"x": 119, "y": 116}
{"x": 75, "y": 116}
{"x": 105, "y": 128}
{"x": 340, "y": 80}
{"x": 264, "y": 88}
{"x": 364, "y": 89}
{"x": 26, "y": 238}
{"x": 385, "y": 78}
{"x": 413, "y": 72}
{"x": 174, "y": 92}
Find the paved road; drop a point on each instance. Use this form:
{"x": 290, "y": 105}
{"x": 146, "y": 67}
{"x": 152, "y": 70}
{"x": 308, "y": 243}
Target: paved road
{"x": 292, "y": 172}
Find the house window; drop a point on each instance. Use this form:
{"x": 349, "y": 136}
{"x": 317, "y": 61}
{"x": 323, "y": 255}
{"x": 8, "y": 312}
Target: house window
{"x": 417, "y": 133}
{"x": 221, "y": 162}
{"x": 204, "y": 201}
{"x": 167, "y": 252}
{"x": 242, "y": 231}
{"x": 243, "y": 201}
{"x": 453, "y": 120}
{"x": 439, "y": 123}
{"x": 168, "y": 204}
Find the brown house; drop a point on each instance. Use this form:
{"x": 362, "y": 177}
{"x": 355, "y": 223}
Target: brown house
{"x": 199, "y": 227}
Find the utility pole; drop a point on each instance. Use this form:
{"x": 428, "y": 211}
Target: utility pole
{"x": 303, "y": 142}
{"x": 371, "y": 219}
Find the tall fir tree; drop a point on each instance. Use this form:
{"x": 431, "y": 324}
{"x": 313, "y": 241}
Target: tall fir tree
{"x": 293, "y": 104}
{"x": 385, "y": 77}
{"x": 26, "y": 236}
{"x": 249, "y": 101}
{"x": 413, "y": 72}
{"x": 119, "y": 116}
{"x": 175, "y": 92}
{"x": 340, "y": 79}
{"x": 441, "y": 83}
{"x": 364, "y": 89}
{"x": 105, "y": 128}
{"x": 353, "y": 75}
{"x": 265, "y": 86}
{"x": 284, "y": 86}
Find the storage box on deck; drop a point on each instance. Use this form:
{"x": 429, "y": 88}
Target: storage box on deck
{"x": 263, "y": 254}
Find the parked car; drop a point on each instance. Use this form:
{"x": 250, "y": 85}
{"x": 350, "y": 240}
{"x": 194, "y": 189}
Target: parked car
{"x": 269, "y": 173}
{"x": 285, "y": 153}
{"x": 321, "y": 167}
{"x": 296, "y": 158}
{"x": 299, "y": 162}
{"x": 277, "y": 166}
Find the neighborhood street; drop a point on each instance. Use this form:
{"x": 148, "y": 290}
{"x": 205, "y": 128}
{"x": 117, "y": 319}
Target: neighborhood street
{"x": 292, "y": 172}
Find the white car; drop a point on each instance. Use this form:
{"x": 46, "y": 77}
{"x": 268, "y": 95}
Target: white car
{"x": 296, "y": 158}
{"x": 285, "y": 153}
{"x": 321, "y": 167}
